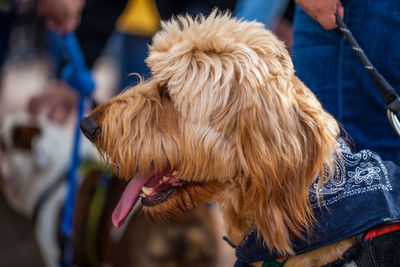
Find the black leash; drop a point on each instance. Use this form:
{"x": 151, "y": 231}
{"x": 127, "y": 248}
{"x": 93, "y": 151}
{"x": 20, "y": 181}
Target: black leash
{"x": 388, "y": 94}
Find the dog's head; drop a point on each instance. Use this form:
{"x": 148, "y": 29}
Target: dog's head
{"x": 222, "y": 118}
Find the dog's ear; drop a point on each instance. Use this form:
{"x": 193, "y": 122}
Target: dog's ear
{"x": 285, "y": 141}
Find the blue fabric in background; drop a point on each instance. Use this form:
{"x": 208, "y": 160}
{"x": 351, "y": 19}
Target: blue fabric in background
{"x": 326, "y": 63}
{"x": 265, "y": 11}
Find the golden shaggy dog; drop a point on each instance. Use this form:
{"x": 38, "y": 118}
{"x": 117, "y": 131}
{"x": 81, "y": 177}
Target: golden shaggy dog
{"x": 223, "y": 118}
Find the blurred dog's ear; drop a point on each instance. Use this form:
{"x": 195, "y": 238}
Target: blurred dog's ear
{"x": 22, "y": 136}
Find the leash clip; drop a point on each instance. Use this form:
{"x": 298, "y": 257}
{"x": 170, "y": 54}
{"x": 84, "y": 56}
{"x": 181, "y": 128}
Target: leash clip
{"x": 394, "y": 121}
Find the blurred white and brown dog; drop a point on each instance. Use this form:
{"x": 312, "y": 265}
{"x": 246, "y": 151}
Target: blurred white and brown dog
{"x": 35, "y": 155}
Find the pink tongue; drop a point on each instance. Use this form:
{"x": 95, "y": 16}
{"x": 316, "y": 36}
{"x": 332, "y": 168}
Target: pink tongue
{"x": 128, "y": 199}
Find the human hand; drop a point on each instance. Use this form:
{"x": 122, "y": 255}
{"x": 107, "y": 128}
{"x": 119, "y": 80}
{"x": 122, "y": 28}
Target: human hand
{"x": 323, "y": 11}
{"x": 55, "y": 103}
{"x": 62, "y": 16}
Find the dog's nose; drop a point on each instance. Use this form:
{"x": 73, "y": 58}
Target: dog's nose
{"x": 90, "y": 128}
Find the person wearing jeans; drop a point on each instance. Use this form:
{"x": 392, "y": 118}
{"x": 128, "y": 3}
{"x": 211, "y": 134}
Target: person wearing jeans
{"x": 326, "y": 63}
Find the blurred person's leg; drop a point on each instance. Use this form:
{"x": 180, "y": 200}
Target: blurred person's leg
{"x": 134, "y": 50}
{"x": 329, "y": 66}
{"x": 5, "y": 29}
{"x": 139, "y": 21}
{"x": 265, "y": 11}
{"x": 276, "y": 15}
{"x": 7, "y": 16}
{"x": 97, "y": 25}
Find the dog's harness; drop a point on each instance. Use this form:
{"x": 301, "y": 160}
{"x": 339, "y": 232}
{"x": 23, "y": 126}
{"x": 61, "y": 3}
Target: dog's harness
{"x": 382, "y": 230}
{"x": 363, "y": 193}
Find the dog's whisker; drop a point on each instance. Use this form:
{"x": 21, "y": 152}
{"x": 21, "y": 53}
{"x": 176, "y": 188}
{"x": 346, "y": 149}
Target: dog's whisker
{"x": 183, "y": 200}
{"x": 205, "y": 189}
{"x": 191, "y": 198}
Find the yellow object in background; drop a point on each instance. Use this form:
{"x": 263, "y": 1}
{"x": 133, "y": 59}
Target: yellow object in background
{"x": 140, "y": 17}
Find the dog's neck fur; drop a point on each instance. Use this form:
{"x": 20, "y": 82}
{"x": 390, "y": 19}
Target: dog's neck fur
{"x": 239, "y": 222}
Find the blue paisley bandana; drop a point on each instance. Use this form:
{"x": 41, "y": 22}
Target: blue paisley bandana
{"x": 364, "y": 192}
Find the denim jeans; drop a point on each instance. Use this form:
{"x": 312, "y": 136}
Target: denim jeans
{"x": 327, "y": 64}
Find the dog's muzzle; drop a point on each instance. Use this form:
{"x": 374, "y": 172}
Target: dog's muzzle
{"x": 90, "y": 128}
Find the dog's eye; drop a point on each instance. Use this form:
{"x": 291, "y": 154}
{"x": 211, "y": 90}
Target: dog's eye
{"x": 163, "y": 90}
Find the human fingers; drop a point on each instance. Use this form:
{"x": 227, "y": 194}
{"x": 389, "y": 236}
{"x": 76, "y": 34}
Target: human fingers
{"x": 322, "y": 11}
